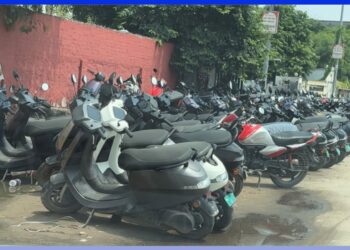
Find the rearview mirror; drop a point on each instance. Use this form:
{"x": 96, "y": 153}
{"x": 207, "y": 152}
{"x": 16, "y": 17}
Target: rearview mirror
{"x": 230, "y": 85}
{"x": 85, "y": 79}
{"x": 73, "y": 78}
{"x": 15, "y": 75}
{"x": 162, "y": 83}
{"x": 120, "y": 80}
{"x": 154, "y": 81}
{"x": 12, "y": 89}
{"x": 45, "y": 86}
{"x": 112, "y": 77}
{"x": 133, "y": 79}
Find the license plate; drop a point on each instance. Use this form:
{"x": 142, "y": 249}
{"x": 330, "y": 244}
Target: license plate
{"x": 230, "y": 199}
{"x": 327, "y": 153}
{"x": 338, "y": 151}
{"x": 347, "y": 148}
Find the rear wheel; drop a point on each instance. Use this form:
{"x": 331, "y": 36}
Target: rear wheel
{"x": 203, "y": 228}
{"x": 288, "y": 178}
{"x": 332, "y": 161}
{"x": 59, "y": 199}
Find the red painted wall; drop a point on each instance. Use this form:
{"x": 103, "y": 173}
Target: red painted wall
{"x": 52, "y": 52}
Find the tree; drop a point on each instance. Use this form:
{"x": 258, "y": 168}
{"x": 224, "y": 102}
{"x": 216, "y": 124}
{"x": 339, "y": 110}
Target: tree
{"x": 293, "y": 44}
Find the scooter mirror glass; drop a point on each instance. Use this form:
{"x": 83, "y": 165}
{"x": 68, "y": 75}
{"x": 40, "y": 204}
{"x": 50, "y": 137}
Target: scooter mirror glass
{"x": 12, "y": 89}
{"x": 85, "y": 79}
{"x": 261, "y": 110}
{"x": 73, "y": 78}
{"x": 45, "y": 86}
{"x": 119, "y": 113}
{"x": 133, "y": 79}
{"x": 154, "y": 81}
{"x": 120, "y": 80}
{"x": 162, "y": 83}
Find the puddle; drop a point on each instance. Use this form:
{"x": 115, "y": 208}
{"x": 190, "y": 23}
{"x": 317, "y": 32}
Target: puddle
{"x": 259, "y": 229}
{"x": 300, "y": 200}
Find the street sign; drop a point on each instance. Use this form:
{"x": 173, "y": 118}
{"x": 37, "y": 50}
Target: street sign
{"x": 270, "y": 21}
{"x": 338, "y": 51}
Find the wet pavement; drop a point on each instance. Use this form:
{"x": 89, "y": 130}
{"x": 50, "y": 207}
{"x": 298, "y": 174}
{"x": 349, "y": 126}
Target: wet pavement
{"x": 316, "y": 212}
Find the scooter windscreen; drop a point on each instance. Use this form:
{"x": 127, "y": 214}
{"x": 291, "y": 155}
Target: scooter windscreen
{"x": 87, "y": 116}
{"x": 93, "y": 86}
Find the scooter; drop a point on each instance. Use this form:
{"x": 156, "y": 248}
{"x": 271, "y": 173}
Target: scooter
{"x": 163, "y": 192}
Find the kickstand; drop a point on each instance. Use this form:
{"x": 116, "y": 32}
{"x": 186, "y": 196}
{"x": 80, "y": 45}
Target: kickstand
{"x": 259, "y": 178}
{"x": 89, "y": 218}
{"x": 3, "y": 178}
{"x": 31, "y": 177}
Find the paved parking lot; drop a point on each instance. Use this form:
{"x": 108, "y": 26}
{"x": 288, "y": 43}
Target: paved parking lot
{"x": 316, "y": 212}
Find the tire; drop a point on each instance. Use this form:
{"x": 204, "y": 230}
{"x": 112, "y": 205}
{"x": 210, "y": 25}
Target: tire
{"x": 206, "y": 227}
{"x": 44, "y": 172}
{"x": 295, "y": 179}
{"x": 238, "y": 185}
{"x": 223, "y": 220}
{"x": 332, "y": 161}
{"x": 289, "y": 184}
{"x": 49, "y": 192}
{"x": 316, "y": 162}
{"x": 342, "y": 156}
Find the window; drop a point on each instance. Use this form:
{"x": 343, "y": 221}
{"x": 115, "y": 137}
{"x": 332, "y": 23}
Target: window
{"x": 316, "y": 88}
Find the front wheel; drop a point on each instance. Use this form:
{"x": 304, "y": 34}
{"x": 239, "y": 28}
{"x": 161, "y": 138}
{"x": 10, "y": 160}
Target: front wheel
{"x": 223, "y": 220}
{"x": 59, "y": 199}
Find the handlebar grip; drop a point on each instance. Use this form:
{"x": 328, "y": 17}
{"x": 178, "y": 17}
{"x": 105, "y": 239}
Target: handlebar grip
{"x": 168, "y": 122}
{"x": 128, "y": 132}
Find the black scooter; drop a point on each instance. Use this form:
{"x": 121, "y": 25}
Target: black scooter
{"x": 162, "y": 192}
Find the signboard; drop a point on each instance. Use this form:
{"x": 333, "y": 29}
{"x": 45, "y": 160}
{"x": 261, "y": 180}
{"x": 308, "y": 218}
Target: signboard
{"x": 338, "y": 51}
{"x": 270, "y": 21}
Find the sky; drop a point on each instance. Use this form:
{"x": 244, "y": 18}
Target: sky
{"x": 325, "y": 12}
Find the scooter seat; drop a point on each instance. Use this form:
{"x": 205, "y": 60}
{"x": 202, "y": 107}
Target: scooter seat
{"x": 172, "y": 117}
{"x": 221, "y": 138}
{"x": 39, "y": 127}
{"x": 291, "y": 137}
{"x": 144, "y": 138}
{"x": 156, "y": 158}
{"x": 195, "y": 128}
{"x": 180, "y": 124}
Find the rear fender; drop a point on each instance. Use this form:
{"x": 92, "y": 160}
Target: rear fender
{"x": 57, "y": 180}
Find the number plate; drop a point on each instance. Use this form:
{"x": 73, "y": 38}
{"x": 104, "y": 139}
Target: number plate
{"x": 347, "y": 148}
{"x": 230, "y": 199}
{"x": 338, "y": 151}
{"x": 327, "y": 153}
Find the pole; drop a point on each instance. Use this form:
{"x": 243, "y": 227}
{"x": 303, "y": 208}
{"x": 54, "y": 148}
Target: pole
{"x": 267, "y": 58}
{"x": 337, "y": 60}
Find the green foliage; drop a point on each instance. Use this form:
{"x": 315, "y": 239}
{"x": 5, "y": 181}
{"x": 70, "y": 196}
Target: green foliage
{"x": 293, "y": 44}
{"x": 324, "y": 39}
